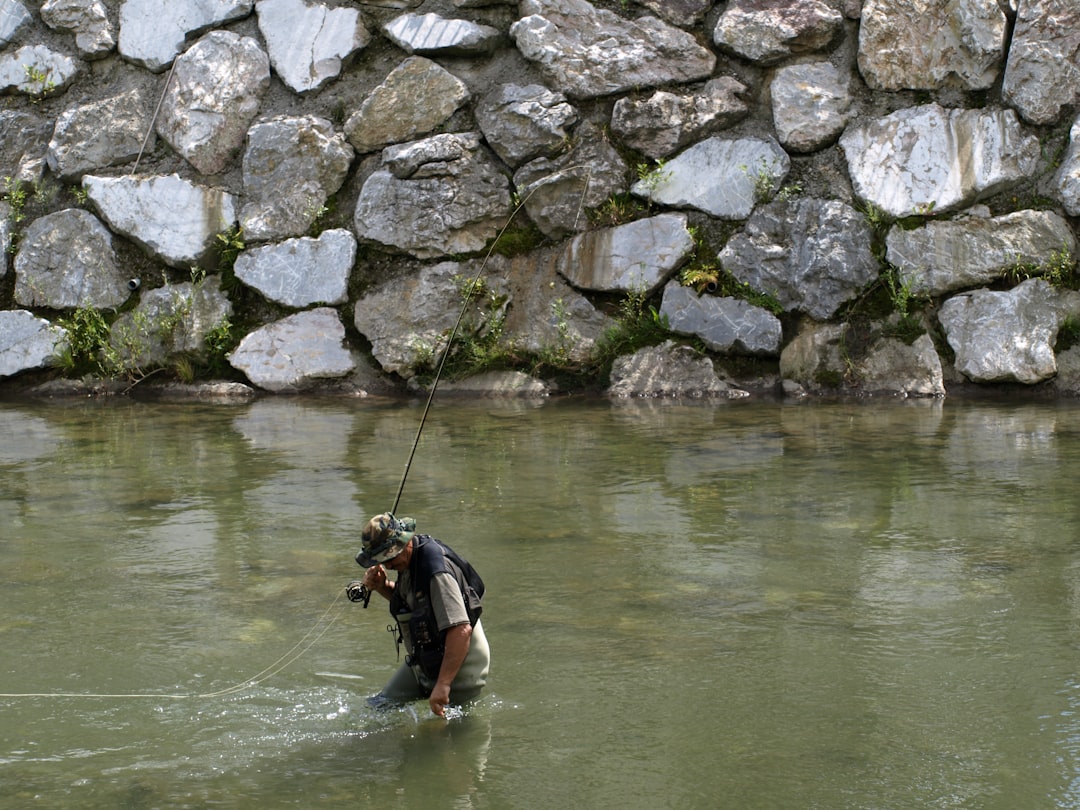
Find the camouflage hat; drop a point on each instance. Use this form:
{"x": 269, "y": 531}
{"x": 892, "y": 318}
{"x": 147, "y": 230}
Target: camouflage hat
{"x": 383, "y": 538}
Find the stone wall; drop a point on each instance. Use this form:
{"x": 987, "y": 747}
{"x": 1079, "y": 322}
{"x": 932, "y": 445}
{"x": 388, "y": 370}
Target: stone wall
{"x": 866, "y": 197}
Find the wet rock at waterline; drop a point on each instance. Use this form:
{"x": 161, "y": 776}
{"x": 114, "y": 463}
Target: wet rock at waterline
{"x": 295, "y": 353}
{"x": 153, "y": 32}
{"x": 637, "y": 256}
{"x": 94, "y": 136}
{"x": 433, "y": 35}
{"x": 930, "y": 160}
{"x": 433, "y": 197}
{"x": 87, "y": 20}
{"x": 969, "y": 251}
{"x": 768, "y": 31}
{"x": 587, "y": 52}
{"x": 822, "y": 358}
{"x": 27, "y": 342}
{"x": 292, "y": 165}
{"x": 665, "y": 121}
{"x": 728, "y": 325}
{"x": 310, "y": 43}
{"x": 1008, "y": 336}
{"x": 170, "y": 321}
{"x": 497, "y": 384}
{"x": 415, "y": 98}
{"x": 812, "y": 255}
{"x": 723, "y": 177}
{"x": 215, "y": 92}
{"x": 668, "y": 370}
{"x": 170, "y": 217}
{"x": 66, "y": 260}
{"x": 303, "y": 271}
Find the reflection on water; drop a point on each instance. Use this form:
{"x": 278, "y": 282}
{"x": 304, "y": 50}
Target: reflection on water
{"x": 747, "y": 605}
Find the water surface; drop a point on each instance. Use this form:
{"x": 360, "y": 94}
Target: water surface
{"x": 743, "y": 605}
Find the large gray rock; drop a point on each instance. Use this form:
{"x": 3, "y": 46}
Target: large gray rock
{"x": 215, "y": 92}
{"x": 811, "y": 105}
{"x": 895, "y": 367}
{"x": 912, "y": 44}
{"x": 102, "y": 133}
{"x": 434, "y": 197}
{"x": 813, "y": 255}
{"x": 638, "y": 256}
{"x": 24, "y": 145}
{"x": 728, "y": 325}
{"x": 291, "y": 167}
{"x": 928, "y": 159}
{"x": 556, "y": 192}
{"x": 668, "y": 370}
{"x": 1067, "y": 179}
{"x": 434, "y": 35}
{"x": 546, "y": 316}
{"x": 27, "y": 342}
{"x": 587, "y": 52}
{"x": 414, "y": 99}
{"x": 169, "y": 321}
{"x": 943, "y": 256}
{"x": 173, "y": 219}
{"x": 301, "y": 272}
{"x": 1007, "y": 336}
{"x": 310, "y": 43}
{"x": 665, "y": 122}
{"x": 295, "y": 353}
{"x": 66, "y": 260}
{"x": 408, "y": 320}
{"x": 524, "y": 123}
{"x": 13, "y": 16}
{"x": 88, "y": 20}
{"x": 769, "y": 31}
{"x": 1042, "y": 75}
{"x": 36, "y": 70}
{"x": 724, "y": 177}
{"x": 152, "y": 32}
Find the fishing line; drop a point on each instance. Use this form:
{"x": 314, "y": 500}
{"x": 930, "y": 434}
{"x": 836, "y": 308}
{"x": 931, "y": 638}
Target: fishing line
{"x": 461, "y": 315}
{"x": 298, "y": 650}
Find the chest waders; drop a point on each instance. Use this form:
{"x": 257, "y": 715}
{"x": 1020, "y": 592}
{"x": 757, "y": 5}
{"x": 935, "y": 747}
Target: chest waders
{"x": 431, "y": 557}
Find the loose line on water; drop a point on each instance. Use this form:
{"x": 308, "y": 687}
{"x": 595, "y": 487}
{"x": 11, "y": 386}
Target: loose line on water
{"x": 302, "y": 646}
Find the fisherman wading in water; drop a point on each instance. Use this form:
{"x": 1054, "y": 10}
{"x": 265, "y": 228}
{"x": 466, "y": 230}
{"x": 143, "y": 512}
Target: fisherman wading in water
{"x": 435, "y": 603}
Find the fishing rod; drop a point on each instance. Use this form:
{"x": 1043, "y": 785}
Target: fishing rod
{"x": 357, "y": 591}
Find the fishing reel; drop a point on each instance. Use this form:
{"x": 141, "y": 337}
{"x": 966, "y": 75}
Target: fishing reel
{"x": 357, "y": 591}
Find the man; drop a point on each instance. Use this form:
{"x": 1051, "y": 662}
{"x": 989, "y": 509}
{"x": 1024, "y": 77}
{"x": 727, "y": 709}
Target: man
{"x": 435, "y": 603}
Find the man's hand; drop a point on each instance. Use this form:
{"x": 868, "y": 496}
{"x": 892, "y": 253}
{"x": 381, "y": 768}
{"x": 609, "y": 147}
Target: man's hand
{"x": 440, "y": 699}
{"x": 375, "y": 578}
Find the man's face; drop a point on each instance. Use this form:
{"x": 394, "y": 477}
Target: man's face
{"x": 401, "y": 561}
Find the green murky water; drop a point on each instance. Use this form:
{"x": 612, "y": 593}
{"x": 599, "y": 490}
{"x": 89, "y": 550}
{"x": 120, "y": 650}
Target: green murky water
{"x": 737, "y": 606}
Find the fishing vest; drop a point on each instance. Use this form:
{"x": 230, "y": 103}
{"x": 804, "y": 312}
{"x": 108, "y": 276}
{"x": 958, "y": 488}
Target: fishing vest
{"x": 431, "y": 557}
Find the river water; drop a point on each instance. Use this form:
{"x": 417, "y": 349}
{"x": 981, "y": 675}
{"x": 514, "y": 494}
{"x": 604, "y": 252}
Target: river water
{"x": 743, "y": 605}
